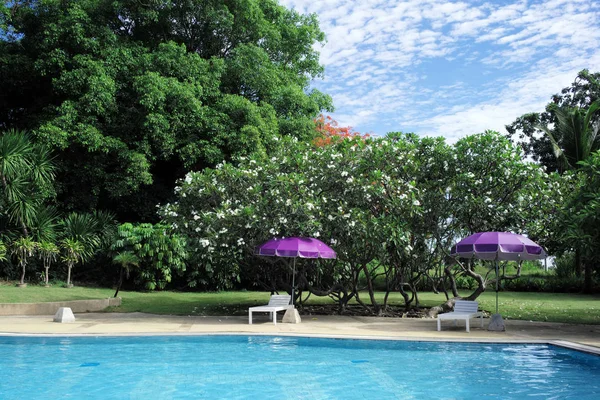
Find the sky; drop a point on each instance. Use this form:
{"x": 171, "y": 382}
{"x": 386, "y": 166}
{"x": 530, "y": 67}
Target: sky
{"x": 449, "y": 68}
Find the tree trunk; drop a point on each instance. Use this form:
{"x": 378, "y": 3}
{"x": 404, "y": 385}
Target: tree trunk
{"x": 46, "y": 280}
{"x": 22, "y": 275}
{"x": 69, "y": 276}
{"x": 120, "y": 282}
{"x": 376, "y": 307}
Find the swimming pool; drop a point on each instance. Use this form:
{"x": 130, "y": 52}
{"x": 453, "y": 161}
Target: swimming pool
{"x": 237, "y": 367}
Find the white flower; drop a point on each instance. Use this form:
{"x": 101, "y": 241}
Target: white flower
{"x": 316, "y": 234}
{"x": 196, "y": 217}
{"x": 350, "y": 180}
{"x": 204, "y": 242}
{"x": 288, "y": 202}
{"x": 416, "y": 203}
{"x": 282, "y": 220}
{"x": 223, "y": 230}
{"x": 329, "y": 217}
{"x": 310, "y": 206}
{"x": 344, "y": 173}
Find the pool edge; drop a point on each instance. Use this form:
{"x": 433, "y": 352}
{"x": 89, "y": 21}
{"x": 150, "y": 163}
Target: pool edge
{"x": 559, "y": 343}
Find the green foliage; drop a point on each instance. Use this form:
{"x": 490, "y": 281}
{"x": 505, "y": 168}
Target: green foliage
{"x": 3, "y": 250}
{"x": 158, "y": 251}
{"x": 26, "y": 176}
{"x": 390, "y": 207}
{"x": 131, "y": 95}
{"x": 574, "y": 137}
{"x": 581, "y": 217}
{"x": 126, "y": 260}
{"x": 23, "y": 248}
{"x": 528, "y": 130}
{"x": 74, "y": 251}
{"x": 564, "y": 265}
{"x": 48, "y": 252}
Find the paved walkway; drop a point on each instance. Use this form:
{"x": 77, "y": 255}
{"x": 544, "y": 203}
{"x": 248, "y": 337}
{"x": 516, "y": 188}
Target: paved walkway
{"x": 332, "y": 326}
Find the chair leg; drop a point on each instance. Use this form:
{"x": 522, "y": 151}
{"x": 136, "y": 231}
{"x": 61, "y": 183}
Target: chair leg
{"x": 250, "y": 317}
{"x": 274, "y": 318}
{"x": 468, "y": 330}
{"x": 439, "y": 325}
{"x": 481, "y": 319}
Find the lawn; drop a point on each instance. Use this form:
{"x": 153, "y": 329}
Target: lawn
{"x": 552, "y": 307}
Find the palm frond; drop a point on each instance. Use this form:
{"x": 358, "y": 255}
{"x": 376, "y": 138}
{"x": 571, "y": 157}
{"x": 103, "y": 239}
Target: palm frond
{"x": 45, "y": 224}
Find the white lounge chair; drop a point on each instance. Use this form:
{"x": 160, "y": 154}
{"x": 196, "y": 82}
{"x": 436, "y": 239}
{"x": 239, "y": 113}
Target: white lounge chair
{"x": 278, "y": 302}
{"x": 463, "y": 309}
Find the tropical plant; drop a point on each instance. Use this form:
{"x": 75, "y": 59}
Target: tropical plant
{"x": 581, "y": 218}
{"x": 575, "y": 136}
{"x": 159, "y": 252}
{"x": 48, "y": 251}
{"x": 82, "y": 228}
{"x": 26, "y": 178}
{"x": 126, "y": 260}
{"x": 74, "y": 252}
{"x": 2, "y": 251}
{"x": 82, "y": 236}
{"x": 23, "y": 248}
{"x": 527, "y": 131}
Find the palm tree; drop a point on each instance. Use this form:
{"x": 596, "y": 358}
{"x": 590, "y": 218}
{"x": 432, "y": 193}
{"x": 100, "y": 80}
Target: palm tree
{"x": 125, "y": 259}
{"x": 575, "y": 135}
{"x": 73, "y": 253}
{"x": 48, "y": 252}
{"x": 81, "y": 239}
{"x": 26, "y": 178}
{"x": 574, "y": 138}
{"x": 23, "y": 248}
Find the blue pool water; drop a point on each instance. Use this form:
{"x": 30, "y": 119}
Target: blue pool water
{"x": 262, "y": 367}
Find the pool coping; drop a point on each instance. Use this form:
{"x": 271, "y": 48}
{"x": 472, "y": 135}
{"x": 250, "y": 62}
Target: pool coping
{"x": 559, "y": 343}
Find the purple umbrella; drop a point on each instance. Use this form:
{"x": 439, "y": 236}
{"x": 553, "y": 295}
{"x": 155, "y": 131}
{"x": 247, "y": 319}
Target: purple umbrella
{"x": 498, "y": 246}
{"x": 302, "y": 247}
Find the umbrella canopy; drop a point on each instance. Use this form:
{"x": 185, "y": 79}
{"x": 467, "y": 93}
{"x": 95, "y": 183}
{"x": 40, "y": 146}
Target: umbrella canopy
{"x": 498, "y": 246}
{"x": 302, "y": 247}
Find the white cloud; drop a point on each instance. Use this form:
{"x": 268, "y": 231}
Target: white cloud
{"x": 450, "y": 68}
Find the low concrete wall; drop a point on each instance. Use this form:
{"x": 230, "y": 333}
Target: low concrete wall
{"x": 78, "y": 306}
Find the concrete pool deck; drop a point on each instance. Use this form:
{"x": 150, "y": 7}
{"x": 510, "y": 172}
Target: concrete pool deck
{"x": 312, "y": 325}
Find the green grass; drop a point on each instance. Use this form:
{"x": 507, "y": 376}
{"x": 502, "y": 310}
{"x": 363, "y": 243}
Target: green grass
{"x": 551, "y": 307}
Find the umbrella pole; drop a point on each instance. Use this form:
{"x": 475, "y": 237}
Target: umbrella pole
{"x": 293, "y": 280}
{"x": 497, "y": 281}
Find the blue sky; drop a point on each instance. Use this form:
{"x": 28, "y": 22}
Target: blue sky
{"x": 449, "y": 68}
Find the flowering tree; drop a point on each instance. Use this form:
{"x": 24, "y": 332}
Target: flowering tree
{"x": 493, "y": 189}
{"x": 390, "y": 207}
{"x": 344, "y": 193}
{"x": 328, "y": 131}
